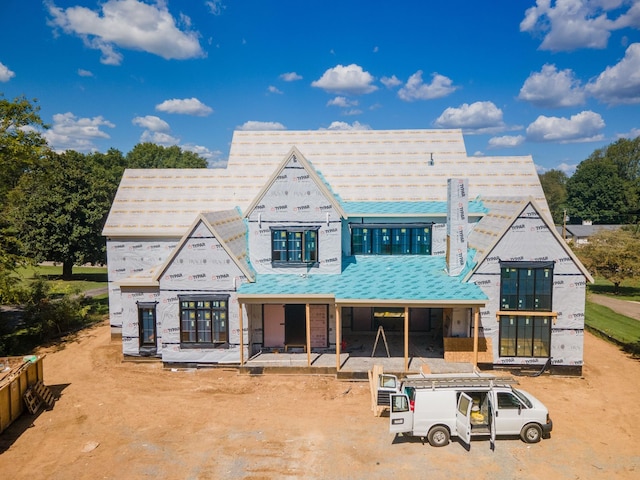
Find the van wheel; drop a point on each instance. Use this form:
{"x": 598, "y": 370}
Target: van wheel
{"x": 531, "y": 433}
{"x": 438, "y": 436}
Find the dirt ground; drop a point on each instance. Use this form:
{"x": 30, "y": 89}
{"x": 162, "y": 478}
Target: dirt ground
{"x": 118, "y": 420}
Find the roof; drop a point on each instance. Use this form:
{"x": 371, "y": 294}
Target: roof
{"x": 383, "y": 279}
{"x": 405, "y": 167}
{"x": 585, "y": 231}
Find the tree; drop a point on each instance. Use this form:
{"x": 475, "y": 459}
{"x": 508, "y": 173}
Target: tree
{"x": 59, "y": 207}
{"x": 150, "y": 155}
{"x": 606, "y": 186}
{"x": 21, "y": 141}
{"x": 554, "y": 185}
{"x": 597, "y": 192}
{"x": 613, "y": 254}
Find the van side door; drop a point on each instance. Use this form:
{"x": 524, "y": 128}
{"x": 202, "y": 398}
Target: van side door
{"x": 509, "y": 415}
{"x": 463, "y": 418}
{"x": 400, "y": 415}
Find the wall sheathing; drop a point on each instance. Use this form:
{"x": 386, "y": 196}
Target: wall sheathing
{"x": 457, "y": 224}
{"x": 129, "y": 258}
{"x": 200, "y": 266}
{"x": 294, "y": 200}
{"x": 529, "y": 239}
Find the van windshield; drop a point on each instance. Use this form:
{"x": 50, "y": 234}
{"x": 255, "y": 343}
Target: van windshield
{"x": 523, "y": 398}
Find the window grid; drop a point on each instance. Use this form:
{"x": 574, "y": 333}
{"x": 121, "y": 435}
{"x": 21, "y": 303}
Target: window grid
{"x": 294, "y": 246}
{"x": 391, "y": 241}
{"x": 203, "y": 321}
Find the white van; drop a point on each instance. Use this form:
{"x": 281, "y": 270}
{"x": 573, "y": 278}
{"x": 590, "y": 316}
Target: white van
{"x": 442, "y": 406}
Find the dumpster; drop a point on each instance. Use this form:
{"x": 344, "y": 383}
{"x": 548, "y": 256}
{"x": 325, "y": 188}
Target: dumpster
{"x": 17, "y": 375}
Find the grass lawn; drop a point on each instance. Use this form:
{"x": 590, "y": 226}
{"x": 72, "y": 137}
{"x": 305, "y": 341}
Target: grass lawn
{"x": 624, "y": 329}
{"x": 84, "y": 278}
{"x": 629, "y": 290}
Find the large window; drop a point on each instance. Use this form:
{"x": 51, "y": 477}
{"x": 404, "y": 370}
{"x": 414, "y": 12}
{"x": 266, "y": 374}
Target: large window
{"x": 391, "y": 240}
{"x": 147, "y": 324}
{"x": 204, "y": 319}
{"x": 526, "y": 289}
{"x": 297, "y": 246}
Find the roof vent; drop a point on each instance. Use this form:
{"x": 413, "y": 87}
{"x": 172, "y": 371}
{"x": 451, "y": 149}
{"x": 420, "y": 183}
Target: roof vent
{"x": 431, "y": 162}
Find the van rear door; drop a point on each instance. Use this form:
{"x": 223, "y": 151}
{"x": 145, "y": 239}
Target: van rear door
{"x": 400, "y": 415}
{"x": 463, "y": 418}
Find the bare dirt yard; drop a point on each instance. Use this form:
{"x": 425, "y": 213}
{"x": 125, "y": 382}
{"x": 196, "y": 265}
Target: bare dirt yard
{"x": 129, "y": 420}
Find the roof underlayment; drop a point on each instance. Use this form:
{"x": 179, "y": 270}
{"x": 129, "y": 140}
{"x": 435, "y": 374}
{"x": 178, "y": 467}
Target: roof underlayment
{"x": 396, "y": 167}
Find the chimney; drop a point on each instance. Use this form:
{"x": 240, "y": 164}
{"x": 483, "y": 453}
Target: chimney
{"x": 457, "y": 214}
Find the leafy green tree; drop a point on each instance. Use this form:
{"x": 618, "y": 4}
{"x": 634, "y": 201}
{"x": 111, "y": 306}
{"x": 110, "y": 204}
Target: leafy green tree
{"x": 606, "y": 186}
{"x": 597, "y": 192}
{"x": 554, "y": 185}
{"x": 59, "y": 207}
{"x": 21, "y": 141}
{"x": 612, "y": 254}
{"x": 150, "y": 155}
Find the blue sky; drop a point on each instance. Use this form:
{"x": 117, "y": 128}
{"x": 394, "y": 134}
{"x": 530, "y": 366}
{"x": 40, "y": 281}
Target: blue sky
{"x": 553, "y": 79}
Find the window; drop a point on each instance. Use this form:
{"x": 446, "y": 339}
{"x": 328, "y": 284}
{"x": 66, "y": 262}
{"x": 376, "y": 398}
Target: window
{"x": 525, "y": 336}
{"x": 294, "y": 246}
{"x": 391, "y": 239}
{"x": 203, "y": 319}
{"x": 525, "y": 287}
{"x": 147, "y": 323}
{"x": 506, "y": 400}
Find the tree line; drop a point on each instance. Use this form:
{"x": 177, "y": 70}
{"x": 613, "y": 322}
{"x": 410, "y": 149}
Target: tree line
{"x": 53, "y": 205}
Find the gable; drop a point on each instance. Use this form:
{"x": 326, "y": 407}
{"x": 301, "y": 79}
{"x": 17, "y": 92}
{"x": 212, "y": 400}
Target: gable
{"x": 294, "y": 192}
{"x": 525, "y": 236}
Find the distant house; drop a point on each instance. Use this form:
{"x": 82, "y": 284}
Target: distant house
{"x": 579, "y": 234}
{"x": 308, "y": 236}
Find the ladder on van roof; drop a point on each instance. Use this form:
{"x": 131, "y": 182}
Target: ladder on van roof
{"x": 457, "y": 381}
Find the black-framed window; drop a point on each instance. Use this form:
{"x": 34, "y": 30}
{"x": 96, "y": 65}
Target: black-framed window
{"x": 525, "y": 336}
{"x": 414, "y": 239}
{"x": 294, "y": 246}
{"x": 147, "y": 323}
{"x": 204, "y": 319}
{"x": 526, "y": 286}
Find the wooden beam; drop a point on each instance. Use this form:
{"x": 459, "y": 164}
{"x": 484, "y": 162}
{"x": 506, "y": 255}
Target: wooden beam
{"x": 406, "y": 339}
{"x": 476, "y": 323}
{"x": 308, "y": 319}
{"x": 241, "y": 334}
{"x": 338, "y": 336}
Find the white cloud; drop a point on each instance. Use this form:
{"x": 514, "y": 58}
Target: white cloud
{"x": 71, "y": 133}
{"x": 160, "y": 138}
{"x": 214, "y": 158}
{"x": 568, "y": 169}
{"x": 571, "y": 24}
{"x": 85, "y": 73}
{"x": 582, "y": 127}
{"x": 391, "y": 82}
{"x": 5, "y": 73}
{"x": 151, "y": 122}
{"x": 478, "y": 117}
{"x": 256, "y": 125}
{"x": 215, "y": 6}
{"x": 129, "y": 24}
{"x": 506, "y": 141}
{"x": 620, "y": 83}
{"x": 290, "y": 77}
{"x": 416, "y": 89}
{"x": 186, "y": 106}
{"x": 272, "y": 89}
{"x": 551, "y": 88}
{"x": 342, "y": 102}
{"x": 350, "y": 80}
{"x": 631, "y": 134}
{"x": 345, "y": 126}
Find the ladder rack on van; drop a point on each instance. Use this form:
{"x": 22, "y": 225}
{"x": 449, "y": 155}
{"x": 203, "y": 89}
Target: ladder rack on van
{"x": 455, "y": 381}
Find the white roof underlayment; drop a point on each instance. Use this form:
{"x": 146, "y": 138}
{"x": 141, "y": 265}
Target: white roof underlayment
{"x": 359, "y": 166}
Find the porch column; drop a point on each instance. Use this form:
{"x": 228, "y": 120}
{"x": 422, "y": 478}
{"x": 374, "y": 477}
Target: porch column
{"x": 476, "y": 322}
{"x": 338, "y": 336}
{"x": 241, "y": 334}
{"x": 308, "y": 320}
{"x": 406, "y": 339}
